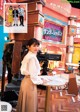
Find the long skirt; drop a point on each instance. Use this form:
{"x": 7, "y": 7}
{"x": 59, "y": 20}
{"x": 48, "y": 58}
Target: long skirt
{"x": 27, "y": 100}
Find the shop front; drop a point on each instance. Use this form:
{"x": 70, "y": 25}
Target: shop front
{"x": 50, "y": 26}
{"x": 53, "y": 42}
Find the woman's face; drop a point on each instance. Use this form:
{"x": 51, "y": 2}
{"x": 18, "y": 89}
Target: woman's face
{"x": 34, "y": 48}
{"x": 10, "y": 7}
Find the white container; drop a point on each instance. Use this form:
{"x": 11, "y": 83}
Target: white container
{"x": 5, "y": 106}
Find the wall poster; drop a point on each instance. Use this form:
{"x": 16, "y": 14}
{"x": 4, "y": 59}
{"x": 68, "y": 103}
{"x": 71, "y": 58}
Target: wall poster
{"x": 15, "y": 18}
{"x": 52, "y": 32}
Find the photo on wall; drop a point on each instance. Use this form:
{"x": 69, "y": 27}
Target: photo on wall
{"x": 15, "y": 17}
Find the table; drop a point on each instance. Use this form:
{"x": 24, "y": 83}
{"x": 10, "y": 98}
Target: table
{"x": 57, "y": 80}
{"x": 49, "y": 81}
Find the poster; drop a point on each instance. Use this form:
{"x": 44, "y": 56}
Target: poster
{"x": 52, "y": 32}
{"x": 15, "y": 18}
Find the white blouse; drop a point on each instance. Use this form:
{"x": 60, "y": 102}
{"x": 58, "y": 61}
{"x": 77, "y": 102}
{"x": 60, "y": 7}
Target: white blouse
{"x": 30, "y": 65}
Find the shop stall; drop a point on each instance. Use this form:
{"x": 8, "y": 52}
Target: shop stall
{"x": 50, "y": 31}
{"x": 53, "y": 42}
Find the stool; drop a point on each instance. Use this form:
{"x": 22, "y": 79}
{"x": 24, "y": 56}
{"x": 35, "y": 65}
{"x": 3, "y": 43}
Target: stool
{"x": 5, "y": 106}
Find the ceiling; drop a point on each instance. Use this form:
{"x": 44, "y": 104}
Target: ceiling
{"x": 75, "y": 3}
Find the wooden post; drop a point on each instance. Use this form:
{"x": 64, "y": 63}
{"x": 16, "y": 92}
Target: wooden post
{"x": 47, "y": 100}
{"x": 16, "y": 60}
{"x": 72, "y": 87}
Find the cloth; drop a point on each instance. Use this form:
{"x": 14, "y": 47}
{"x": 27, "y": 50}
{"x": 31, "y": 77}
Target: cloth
{"x": 27, "y": 100}
{"x": 30, "y": 65}
{"x": 21, "y": 11}
{"x": 15, "y": 13}
{"x": 10, "y": 16}
{"x": 15, "y": 20}
{"x": 21, "y": 16}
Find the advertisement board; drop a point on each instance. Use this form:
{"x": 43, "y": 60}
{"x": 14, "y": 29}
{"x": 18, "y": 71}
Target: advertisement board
{"x": 53, "y": 32}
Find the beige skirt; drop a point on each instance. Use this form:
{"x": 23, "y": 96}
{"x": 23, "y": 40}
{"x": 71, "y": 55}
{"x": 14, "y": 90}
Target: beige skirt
{"x": 27, "y": 99}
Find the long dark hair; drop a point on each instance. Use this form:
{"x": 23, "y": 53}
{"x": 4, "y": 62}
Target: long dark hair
{"x": 29, "y": 43}
{"x": 33, "y": 41}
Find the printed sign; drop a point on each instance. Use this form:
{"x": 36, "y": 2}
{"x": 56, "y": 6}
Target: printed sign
{"x": 52, "y": 32}
{"x": 15, "y": 18}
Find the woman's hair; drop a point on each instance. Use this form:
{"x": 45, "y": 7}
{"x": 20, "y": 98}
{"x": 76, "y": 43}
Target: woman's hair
{"x": 33, "y": 41}
{"x": 10, "y": 7}
{"x": 29, "y": 43}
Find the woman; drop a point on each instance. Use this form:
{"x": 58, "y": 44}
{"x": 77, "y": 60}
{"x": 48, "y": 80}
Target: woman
{"x": 27, "y": 101}
{"x": 10, "y": 15}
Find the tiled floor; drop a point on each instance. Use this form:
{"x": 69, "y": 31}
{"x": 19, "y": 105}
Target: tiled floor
{"x": 60, "y": 101}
